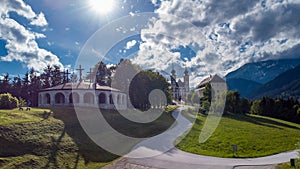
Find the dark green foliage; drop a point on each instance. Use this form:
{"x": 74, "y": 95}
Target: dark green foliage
{"x": 143, "y": 84}
{"x": 232, "y": 102}
{"x": 101, "y": 74}
{"x": 244, "y": 105}
{"x": 255, "y": 108}
{"x": 286, "y": 109}
{"x": 138, "y": 84}
{"x": 7, "y": 101}
{"x": 206, "y": 99}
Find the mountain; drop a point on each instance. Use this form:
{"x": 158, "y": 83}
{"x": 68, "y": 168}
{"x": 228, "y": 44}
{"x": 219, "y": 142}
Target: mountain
{"x": 263, "y": 72}
{"x": 243, "y": 86}
{"x": 285, "y": 85}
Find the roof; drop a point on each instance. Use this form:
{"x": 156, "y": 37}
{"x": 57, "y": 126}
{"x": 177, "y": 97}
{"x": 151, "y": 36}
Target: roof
{"x": 215, "y": 78}
{"x": 180, "y": 83}
{"x": 80, "y": 86}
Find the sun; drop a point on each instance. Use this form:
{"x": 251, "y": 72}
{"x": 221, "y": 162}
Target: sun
{"x": 102, "y": 6}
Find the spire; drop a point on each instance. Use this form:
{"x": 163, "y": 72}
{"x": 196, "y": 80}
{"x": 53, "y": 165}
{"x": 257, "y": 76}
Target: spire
{"x": 186, "y": 72}
{"x": 173, "y": 72}
{"x": 80, "y": 73}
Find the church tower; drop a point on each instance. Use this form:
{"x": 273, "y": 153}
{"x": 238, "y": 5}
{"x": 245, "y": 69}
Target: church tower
{"x": 186, "y": 80}
{"x": 174, "y": 84}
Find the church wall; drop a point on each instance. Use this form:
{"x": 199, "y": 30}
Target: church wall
{"x": 87, "y": 101}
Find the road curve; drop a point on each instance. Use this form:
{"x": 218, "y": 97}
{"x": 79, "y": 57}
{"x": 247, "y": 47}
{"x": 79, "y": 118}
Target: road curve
{"x": 159, "y": 152}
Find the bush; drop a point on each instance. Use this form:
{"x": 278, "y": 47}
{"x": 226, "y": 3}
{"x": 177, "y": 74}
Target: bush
{"x": 7, "y": 101}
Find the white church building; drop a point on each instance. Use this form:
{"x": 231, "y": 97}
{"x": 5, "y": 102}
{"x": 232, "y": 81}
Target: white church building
{"x": 83, "y": 94}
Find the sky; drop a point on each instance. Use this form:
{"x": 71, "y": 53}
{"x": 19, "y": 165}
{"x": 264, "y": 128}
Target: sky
{"x": 205, "y": 36}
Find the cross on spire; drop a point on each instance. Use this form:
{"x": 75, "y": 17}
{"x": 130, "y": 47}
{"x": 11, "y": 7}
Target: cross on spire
{"x": 80, "y": 73}
{"x": 91, "y": 75}
{"x": 66, "y": 76}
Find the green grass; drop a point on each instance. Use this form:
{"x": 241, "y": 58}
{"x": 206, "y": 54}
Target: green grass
{"x": 17, "y": 116}
{"x": 43, "y": 138}
{"x": 255, "y": 136}
{"x": 288, "y": 165}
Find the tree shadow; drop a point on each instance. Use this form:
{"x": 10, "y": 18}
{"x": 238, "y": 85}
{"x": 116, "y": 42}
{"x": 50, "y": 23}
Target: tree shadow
{"x": 55, "y": 148}
{"x": 87, "y": 149}
{"x": 260, "y": 121}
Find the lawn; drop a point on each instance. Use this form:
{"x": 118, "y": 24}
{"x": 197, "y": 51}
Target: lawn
{"x": 17, "y": 116}
{"x": 255, "y": 136}
{"x": 288, "y": 165}
{"x": 43, "y": 138}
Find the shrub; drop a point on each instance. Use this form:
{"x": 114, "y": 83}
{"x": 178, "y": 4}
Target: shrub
{"x": 7, "y": 101}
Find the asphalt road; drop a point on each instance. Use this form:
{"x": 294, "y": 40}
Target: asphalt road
{"x": 159, "y": 152}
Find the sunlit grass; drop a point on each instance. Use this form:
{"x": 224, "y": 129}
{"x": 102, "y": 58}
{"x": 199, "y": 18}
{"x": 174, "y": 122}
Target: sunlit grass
{"x": 255, "y": 136}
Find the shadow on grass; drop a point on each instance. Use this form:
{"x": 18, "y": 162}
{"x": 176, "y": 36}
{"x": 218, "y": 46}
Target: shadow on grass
{"x": 54, "y": 150}
{"x": 89, "y": 150}
{"x": 260, "y": 121}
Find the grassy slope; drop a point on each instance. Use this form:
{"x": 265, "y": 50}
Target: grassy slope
{"x": 288, "y": 165}
{"x": 255, "y": 136}
{"x": 42, "y": 138}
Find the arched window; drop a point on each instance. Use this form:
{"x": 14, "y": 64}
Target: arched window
{"x": 74, "y": 98}
{"x": 47, "y": 98}
{"x": 88, "y": 98}
{"x": 102, "y": 98}
{"x": 59, "y": 98}
{"x": 111, "y": 99}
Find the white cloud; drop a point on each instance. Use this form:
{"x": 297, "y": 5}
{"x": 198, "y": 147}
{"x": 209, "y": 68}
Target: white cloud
{"x": 130, "y": 44}
{"x": 224, "y": 35}
{"x": 39, "y": 20}
{"x": 21, "y": 42}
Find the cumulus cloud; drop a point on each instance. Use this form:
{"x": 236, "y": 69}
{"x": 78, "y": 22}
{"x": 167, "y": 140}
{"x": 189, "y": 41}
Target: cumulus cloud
{"x": 224, "y": 35}
{"x": 130, "y": 44}
{"x": 39, "y": 20}
{"x": 20, "y": 41}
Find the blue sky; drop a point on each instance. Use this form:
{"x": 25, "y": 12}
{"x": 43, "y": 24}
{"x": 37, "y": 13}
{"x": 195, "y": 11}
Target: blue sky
{"x": 206, "y": 36}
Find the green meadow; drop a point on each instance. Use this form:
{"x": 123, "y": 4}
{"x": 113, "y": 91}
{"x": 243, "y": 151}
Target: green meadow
{"x": 43, "y": 138}
{"x": 255, "y": 136}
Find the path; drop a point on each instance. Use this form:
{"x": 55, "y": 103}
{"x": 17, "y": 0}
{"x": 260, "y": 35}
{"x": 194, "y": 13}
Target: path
{"x": 155, "y": 156}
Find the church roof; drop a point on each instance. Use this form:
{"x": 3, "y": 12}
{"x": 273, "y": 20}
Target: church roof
{"x": 80, "y": 86}
{"x": 215, "y": 78}
{"x": 180, "y": 83}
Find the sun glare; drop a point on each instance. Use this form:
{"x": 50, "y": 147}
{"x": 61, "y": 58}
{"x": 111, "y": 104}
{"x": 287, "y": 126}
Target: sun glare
{"x": 102, "y": 6}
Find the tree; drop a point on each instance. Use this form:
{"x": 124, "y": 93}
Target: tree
{"x": 5, "y": 85}
{"x": 244, "y": 106}
{"x": 7, "y": 101}
{"x": 34, "y": 87}
{"x": 57, "y": 77}
{"x": 195, "y": 99}
{"x": 46, "y": 77}
{"x": 141, "y": 87}
{"x": 232, "y": 102}
{"x": 16, "y": 86}
{"x": 206, "y": 99}
{"x": 255, "y": 108}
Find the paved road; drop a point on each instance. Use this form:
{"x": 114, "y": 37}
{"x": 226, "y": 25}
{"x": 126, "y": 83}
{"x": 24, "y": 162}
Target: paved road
{"x": 148, "y": 154}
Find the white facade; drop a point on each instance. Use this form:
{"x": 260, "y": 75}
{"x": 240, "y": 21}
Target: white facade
{"x": 218, "y": 86}
{"x": 180, "y": 88}
{"x": 83, "y": 95}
